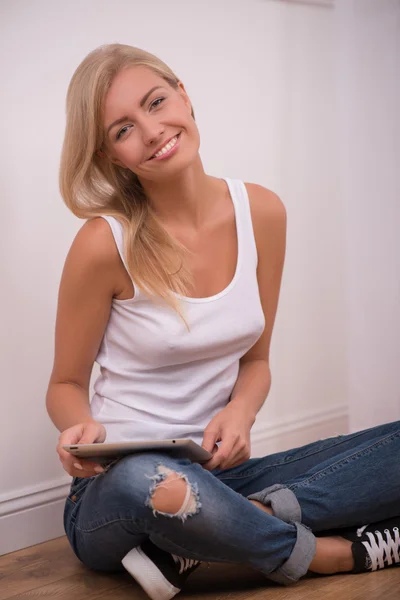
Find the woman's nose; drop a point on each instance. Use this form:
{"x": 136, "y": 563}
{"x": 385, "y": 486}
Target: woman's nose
{"x": 152, "y": 133}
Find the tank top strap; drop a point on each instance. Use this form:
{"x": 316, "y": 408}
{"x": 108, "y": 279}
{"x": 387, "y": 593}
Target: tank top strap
{"x": 118, "y": 234}
{"x": 244, "y": 223}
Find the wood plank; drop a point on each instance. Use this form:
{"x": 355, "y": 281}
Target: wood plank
{"x": 36, "y": 566}
{"x": 51, "y": 571}
{"x": 84, "y": 586}
{"x": 239, "y": 582}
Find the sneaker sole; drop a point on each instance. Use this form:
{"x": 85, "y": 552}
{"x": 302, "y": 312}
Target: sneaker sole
{"x": 145, "y": 572}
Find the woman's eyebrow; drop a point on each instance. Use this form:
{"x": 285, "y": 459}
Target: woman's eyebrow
{"x": 142, "y": 102}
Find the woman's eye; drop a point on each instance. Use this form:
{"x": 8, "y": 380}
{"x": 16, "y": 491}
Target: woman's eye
{"x": 158, "y": 100}
{"x": 156, "y": 103}
{"x": 121, "y": 131}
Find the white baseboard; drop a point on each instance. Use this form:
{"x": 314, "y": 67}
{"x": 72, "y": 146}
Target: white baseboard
{"x": 35, "y": 515}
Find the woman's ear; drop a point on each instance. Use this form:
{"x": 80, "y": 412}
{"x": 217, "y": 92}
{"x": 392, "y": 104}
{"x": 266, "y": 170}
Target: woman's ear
{"x": 183, "y": 93}
{"x": 117, "y": 162}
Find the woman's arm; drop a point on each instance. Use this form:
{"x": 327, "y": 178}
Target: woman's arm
{"x": 85, "y": 295}
{"x": 269, "y": 223}
{"x": 232, "y": 425}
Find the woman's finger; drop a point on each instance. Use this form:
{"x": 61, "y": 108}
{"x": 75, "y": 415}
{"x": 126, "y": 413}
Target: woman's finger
{"x": 222, "y": 455}
{"x": 86, "y": 465}
{"x": 237, "y": 455}
{"x": 77, "y": 467}
{"x": 75, "y": 472}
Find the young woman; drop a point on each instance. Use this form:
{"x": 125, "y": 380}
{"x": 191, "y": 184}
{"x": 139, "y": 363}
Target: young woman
{"x": 172, "y": 286}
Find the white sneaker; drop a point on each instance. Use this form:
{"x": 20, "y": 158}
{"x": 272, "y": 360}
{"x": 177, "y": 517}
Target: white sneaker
{"x": 161, "y": 574}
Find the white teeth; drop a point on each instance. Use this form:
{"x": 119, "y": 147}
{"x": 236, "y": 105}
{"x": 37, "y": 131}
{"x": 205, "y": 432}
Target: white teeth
{"x": 167, "y": 146}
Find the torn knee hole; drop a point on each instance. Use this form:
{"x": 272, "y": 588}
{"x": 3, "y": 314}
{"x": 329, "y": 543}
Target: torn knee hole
{"x": 169, "y": 494}
{"x": 172, "y": 495}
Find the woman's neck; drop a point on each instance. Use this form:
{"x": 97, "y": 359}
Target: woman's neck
{"x": 184, "y": 199}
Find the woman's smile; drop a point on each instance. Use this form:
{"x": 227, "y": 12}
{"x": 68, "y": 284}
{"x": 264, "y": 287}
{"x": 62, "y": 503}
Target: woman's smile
{"x": 170, "y": 148}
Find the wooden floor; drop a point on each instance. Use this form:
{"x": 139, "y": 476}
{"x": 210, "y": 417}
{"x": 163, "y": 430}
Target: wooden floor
{"x": 51, "y": 571}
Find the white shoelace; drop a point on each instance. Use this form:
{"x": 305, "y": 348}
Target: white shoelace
{"x": 184, "y": 563}
{"x": 360, "y": 530}
{"x": 380, "y": 550}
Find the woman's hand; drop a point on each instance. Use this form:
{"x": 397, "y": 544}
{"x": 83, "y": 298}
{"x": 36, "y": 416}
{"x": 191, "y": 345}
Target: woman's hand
{"x": 88, "y": 432}
{"x": 232, "y": 426}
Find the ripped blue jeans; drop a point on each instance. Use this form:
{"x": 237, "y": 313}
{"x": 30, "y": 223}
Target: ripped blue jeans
{"x": 349, "y": 480}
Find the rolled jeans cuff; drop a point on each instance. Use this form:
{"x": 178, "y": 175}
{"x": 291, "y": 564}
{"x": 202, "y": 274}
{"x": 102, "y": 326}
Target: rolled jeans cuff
{"x": 282, "y": 501}
{"x": 299, "y": 561}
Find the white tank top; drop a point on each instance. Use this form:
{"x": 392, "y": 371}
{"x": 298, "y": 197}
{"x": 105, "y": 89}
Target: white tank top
{"x": 158, "y": 380}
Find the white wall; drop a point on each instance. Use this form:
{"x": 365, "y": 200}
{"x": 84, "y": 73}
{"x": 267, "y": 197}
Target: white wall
{"x": 309, "y": 371}
{"x": 368, "y": 70}
{"x": 260, "y": 75}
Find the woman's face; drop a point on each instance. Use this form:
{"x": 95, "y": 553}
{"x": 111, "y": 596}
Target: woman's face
{"x": 147, "y": 123}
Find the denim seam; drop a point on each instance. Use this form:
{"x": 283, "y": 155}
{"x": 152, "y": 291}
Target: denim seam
{"x": 210, "y": 558}
{"x": 111, "y": 522}
{"x": 160, "y": 535}
{"x": 282, "y": 462}
{"x": 343, "y": 461}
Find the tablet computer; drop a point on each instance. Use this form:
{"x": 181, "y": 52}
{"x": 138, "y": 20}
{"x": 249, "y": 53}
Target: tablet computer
{"x": 104, "y": 453}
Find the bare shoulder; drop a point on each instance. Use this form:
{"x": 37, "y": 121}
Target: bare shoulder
{"x": 93, "y": 253}
{"x": 95, "y": 242}
{"x": 267, "y": 209}
{"x": 268, "y": 216}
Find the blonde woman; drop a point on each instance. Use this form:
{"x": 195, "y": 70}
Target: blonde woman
{"x": 172, "y": 286}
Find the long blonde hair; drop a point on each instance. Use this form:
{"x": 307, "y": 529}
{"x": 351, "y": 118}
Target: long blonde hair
{"x": 92, "y": 187}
